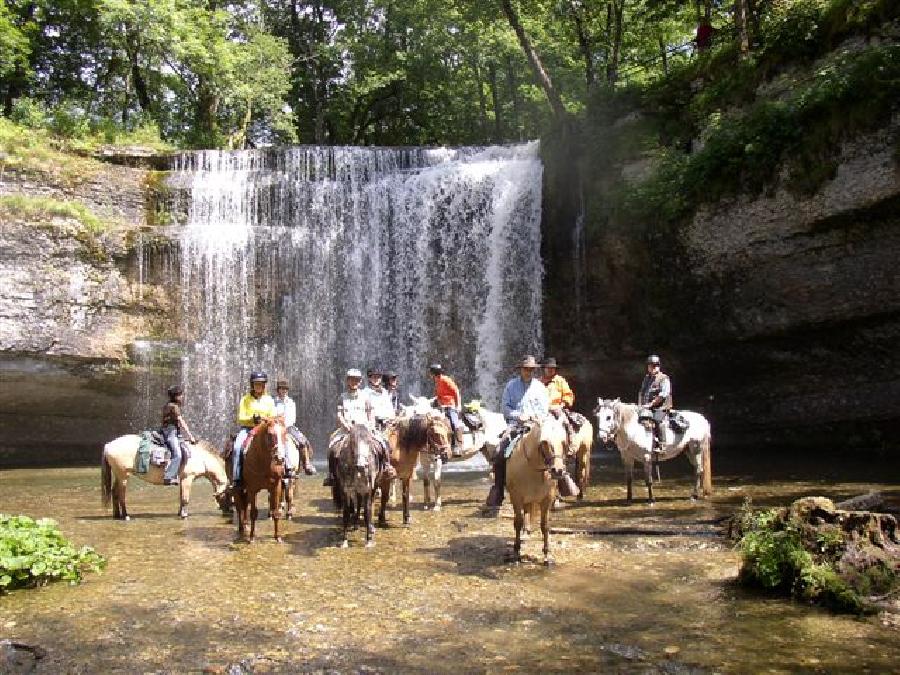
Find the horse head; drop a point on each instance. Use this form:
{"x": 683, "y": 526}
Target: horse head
{"x": 438, "y": 434}
{"x": 551, "y": 445}
{"x": 607, "y": 416}
{"x": 271, "y": 435}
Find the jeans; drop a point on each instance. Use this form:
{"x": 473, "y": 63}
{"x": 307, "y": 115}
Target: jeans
{"x": 237, "y": 456}
{"x": 173, "y": 441}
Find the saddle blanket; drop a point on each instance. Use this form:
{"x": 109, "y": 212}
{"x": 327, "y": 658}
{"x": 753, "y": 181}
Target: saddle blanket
{"x": 513, "y": 442}
{"x": 153, "y": 451}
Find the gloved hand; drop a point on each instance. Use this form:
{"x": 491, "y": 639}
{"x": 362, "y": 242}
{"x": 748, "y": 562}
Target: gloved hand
{"x": 257, "y": 419}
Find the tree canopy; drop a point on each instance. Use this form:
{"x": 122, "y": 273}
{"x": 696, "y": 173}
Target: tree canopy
{"x": 210, "y": 73}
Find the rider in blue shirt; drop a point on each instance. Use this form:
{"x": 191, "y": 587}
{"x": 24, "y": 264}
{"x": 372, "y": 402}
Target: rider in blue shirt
{"x": 524, "y": 398}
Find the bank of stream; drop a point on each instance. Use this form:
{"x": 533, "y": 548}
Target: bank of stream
{"x": 651, "y": 589}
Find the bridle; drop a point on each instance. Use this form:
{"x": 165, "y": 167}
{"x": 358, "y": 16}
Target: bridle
{"x": 437, "y": 448}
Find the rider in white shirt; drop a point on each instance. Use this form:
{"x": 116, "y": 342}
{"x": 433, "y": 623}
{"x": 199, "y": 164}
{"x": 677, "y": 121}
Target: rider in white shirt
{"x": 286, "y": 408}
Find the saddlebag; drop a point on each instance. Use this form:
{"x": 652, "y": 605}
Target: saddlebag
{"x": 472, "y": 420}
{"x": 151, "y": 452}
{"x": 678, "y": 422}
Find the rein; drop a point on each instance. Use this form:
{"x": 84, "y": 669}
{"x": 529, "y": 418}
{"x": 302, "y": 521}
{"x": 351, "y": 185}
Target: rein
{"x": 548, "y": 461}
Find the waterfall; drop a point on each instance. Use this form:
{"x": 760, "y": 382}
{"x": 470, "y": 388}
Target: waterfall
{"x": 307, "y": 261}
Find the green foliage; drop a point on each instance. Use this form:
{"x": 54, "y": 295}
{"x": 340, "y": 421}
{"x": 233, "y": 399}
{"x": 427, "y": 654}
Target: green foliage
{"x": 42, "y": 209}
{"x": 778, "y": 555}
{"x": 34, "y": 552}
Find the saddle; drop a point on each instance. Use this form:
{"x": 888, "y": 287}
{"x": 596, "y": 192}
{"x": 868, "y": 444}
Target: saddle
{"x": 472, "y": 421}
{"x": 576, "y": 420}
{"x": 153, "y": 451}
{"x": 678, "y": 422}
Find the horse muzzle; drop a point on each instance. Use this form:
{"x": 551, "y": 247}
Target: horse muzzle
{"x": 556, "y": 472}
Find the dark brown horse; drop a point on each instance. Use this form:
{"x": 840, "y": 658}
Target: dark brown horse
{"x": 263, "y": 470}
{"x": 408, "y": 436}
{"x": 356, "y": 474}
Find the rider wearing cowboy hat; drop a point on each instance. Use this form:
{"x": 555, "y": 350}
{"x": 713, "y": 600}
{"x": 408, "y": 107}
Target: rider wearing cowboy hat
{"x": 255, "y": 406}
{"x": 524, "y": 398}
{"x": 655, "y": 397}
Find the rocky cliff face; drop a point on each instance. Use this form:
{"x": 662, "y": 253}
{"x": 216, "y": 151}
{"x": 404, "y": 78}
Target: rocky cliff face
{"x": 74, "y": 296}
{"x": 777, "y": 315}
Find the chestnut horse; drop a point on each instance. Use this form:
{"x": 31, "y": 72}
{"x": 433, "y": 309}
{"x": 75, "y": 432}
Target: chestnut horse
{"x": 117, "y": 465}
{"x": 408, "y": 436}
{"x": 263, "y": 470}
{"x": 532, "y": 470}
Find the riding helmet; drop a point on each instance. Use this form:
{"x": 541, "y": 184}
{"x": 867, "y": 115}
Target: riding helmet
{"x": 390, "y": 374}
{"x": 258, "y": 376}
{"x": 175, "y": 390}
{"x": 653, "y": 359}
{"x": 373, "y": 370}
{"x": 354, "y": 372}
{"x": 435, "y": 369}
{"x": 282, "y": 384}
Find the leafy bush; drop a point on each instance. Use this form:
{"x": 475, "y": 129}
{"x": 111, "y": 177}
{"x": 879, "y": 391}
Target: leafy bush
{"x": 34, "y": 552}
{"x": 46, "y": 207}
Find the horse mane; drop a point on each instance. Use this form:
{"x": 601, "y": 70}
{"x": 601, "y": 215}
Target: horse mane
{"x": 412, "y": 432}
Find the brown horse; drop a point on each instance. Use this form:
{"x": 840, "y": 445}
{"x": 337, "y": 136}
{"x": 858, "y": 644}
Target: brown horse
{"x": 408, "y": 436}
{"x": 579, "y": 447}
{"x": 532, "y": 470}
{"x": 117, "y": 465}
{"x": 263, "y": 470}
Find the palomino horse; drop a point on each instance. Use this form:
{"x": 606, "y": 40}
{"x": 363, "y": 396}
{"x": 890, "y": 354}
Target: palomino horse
{"x": 408, "y": 436}
{"x": 117, "y": 465}
{"x": 619, "y": 422}
{"x": 356, "y": 471}
{"x": 263, "y": 470}
{"x": 579, "y": 447}
{"x": 532, "y": 470}
{"x": 485, "y": 441}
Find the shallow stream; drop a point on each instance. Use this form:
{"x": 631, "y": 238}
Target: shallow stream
{"x": 641, "y": 589}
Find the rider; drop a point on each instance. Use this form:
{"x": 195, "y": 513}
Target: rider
{"x": 524, "y": 398}
{"x": 173, "y": 425}
{"x": 379, "y": 398}
{"x": 353, "y": 407}
{"x": 447, "y": 398}
{"x": 560, "y": 393}
{"x": 393, "y": 389}
{"x": 655, "y": 397}
{"x": 287, "y": 409}
{"x": 255, "y": 406}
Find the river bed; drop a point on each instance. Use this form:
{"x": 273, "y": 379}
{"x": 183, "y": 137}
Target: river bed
{"x": 640, "y": 589}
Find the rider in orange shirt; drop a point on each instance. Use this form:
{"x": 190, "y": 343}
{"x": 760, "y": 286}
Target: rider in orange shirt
{"x": 561, "y": 395}
{"x": 448, "y": 399}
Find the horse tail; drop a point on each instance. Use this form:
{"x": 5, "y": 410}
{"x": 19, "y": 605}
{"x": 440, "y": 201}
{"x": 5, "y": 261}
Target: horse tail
{"x": 706, "y": 451}
{"x": 105, "y": 480}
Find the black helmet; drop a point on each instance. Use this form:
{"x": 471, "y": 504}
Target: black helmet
{"x": 175, "y": 390}
{"x": 258, "y": 376}
{"x": 390, "y": 374}
{"x": 373, "y": 370}
{"x": 653, "y": 360}
{"x": 435, "y": 369}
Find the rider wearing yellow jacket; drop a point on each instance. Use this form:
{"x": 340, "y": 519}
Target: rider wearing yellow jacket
{"x": 255, "y": 406}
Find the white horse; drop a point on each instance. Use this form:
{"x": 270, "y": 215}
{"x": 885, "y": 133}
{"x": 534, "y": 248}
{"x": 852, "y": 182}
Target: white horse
{"x": 484, "y": 440}
{"x": 619, "y": 422}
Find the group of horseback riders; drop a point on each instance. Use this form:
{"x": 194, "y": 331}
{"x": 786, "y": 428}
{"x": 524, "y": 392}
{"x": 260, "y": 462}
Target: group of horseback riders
{"x": 525, "y": 398}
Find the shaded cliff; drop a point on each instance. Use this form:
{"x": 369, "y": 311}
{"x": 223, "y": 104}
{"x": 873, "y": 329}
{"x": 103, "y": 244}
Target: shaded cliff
{"x": 773, "y": 298}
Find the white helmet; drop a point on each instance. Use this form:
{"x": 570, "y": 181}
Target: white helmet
{"x": 354, "y": 372}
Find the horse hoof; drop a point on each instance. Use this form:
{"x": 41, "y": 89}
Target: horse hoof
{"x": 344, "y": 544}
{"x": 382, "y": 523}
{"x": 182, "y": 514}
{"x": 651, "y": 502}
{"x": 526, "y": 536}
{"x": 250, "y": 540}
{"x": 426, "y": 507}
{"x": 126, "y": 518}
{"x": 279, "y": 540}
{"x": 370, "y": 544}
{"x": 580, "y": 496}
{"x": 549, "y": 562}
{"x": 437, "y": 507}
{"x": 407, "y": 522}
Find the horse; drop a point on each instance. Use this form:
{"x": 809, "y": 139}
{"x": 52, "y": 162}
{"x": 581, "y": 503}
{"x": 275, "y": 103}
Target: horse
{"x": 579, "y": 447}
{"x": 532, "y": 470}
{"x": 117, "y": 465}
{"x": 301, "y": 458}
{"x": 356, "y": 473}
{"x": 408, "y": 437}
{"x": 619, "y": 422}
{"x": 484, "y": 441}
{"x": 263, "y": 470}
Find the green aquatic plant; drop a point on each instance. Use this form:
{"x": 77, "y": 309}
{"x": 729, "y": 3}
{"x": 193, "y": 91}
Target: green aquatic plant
{"x": 35, "y": 552}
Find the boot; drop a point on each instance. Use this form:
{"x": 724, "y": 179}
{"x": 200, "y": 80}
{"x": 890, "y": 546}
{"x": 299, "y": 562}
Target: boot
{"x": 566, "y": 486}
{"x": 308, "y": 468}
{"x": 495, "y": 496}
{"x": 330, "y": 478}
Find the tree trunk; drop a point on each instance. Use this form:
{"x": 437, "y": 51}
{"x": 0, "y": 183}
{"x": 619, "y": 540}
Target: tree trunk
{"x": 495, "y": 101}
{"x": 664, "y": 54}
{"x": 742, "y": 23}
{"x": 207, "y": 109}
{"x": 534, "y": 60}
{"x": 584, "y": 45}
{"x": 140, "y": 85}
{"x": 612, "y": 68}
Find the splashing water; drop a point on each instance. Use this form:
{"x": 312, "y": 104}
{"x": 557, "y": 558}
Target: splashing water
{"x": 308, "y": 261}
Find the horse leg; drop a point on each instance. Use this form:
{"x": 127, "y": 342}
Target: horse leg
{"x": 648, "y": 478}
{"x": 393, "y": 491}
{"x": 697, "y": 461}
{"x": 518, "y": 522}
{"x": 117, "y": 508}
{"x": 254, "y": 512}
{"x": 370, "y": 528}
{"x": 348, "y": 514}
{"x": 185, "y": 489}
{"x": 382, "y": 515}
{"x": 629, "y": 478}
{"x": 438, "y": 469}
{"x": 275, "y": 509}
{"x": 545, "y": 530}
{"x": 120, "y": 490}
{"x": 406, "y": 519}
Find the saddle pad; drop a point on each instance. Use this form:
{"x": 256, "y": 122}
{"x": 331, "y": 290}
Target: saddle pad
{"x": 678, "y": 422}
{"x": 146, "y": 446}
{"x": 514, "y": 441}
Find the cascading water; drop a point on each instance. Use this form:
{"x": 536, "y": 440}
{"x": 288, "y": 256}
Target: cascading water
{"x": 307, "y": 261}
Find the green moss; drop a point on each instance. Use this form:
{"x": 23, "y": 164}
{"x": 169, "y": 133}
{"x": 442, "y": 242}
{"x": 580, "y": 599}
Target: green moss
{"x": 156, "y": 191}
{"x": 43, "y": 208}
